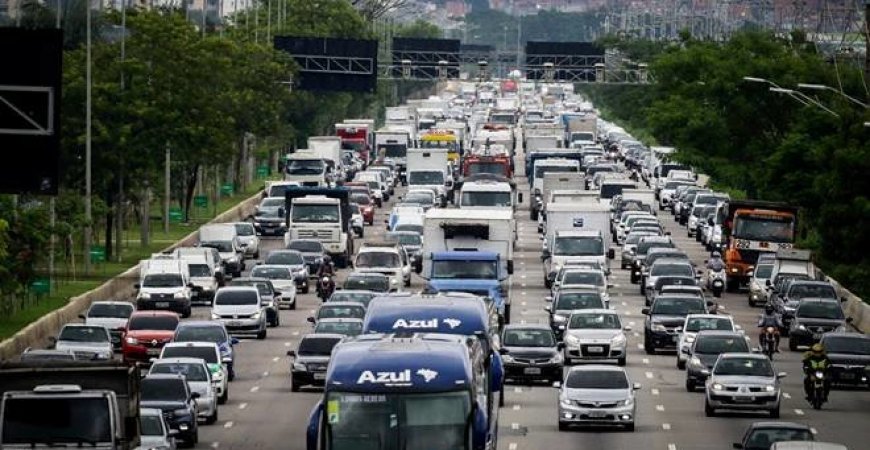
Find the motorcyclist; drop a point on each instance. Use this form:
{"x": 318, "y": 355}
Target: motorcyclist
{"x": 326, "y": 269}
{"x": 813, "y": 360}
{"x": 325, "y": 287}
{"x": 715, "y": 263}
{"x": 770, "y": 318}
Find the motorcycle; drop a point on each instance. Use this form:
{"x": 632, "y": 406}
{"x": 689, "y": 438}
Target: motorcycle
{"x": 325, "y": 288}
{"x": 817, "y": 392}
{"x": 768, "y": 342}
{"x": 716, "y": 281}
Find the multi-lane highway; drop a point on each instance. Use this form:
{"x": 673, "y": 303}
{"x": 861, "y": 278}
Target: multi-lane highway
{"x": 263, "y": 413}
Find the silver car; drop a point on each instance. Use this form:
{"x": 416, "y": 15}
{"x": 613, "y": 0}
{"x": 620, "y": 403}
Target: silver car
{"x": 248, "y": 236}
{"x": 155, "y": 432}
{"x": 208, "y": 352}
{"x": 283, "y": 279}
{"x": 597, "y": 395}
{"x": 112, "y": 315}
{"x": 743, "y": 382}
{"x": 199, "y": 380}
{"x": 594, "y": 335}
{"x": 240, "y": 310}
{"x": 88, "y": 342}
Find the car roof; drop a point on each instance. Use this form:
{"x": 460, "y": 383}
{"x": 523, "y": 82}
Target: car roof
{"x": 778, "y": 424}
{"x": 743, "y": 355}
{"x": 154, "y": 313}
{"x": 178, "y": 360}
{"x": 112, "y": 302}
{"x": 354, "y": 291}
{"x": 166, "y": 376}
{"x": 150, "y": 412}
{"x": 200, "y": 323}
{"x": 847, "y": 335}
{"x": 339, "y": 319}
{"x": 595, "y": 311}
{"x": 668, "y": 260}
{"x": 238, "y": 289}
{"x": 714, "y": 333}
{"x": 366, "y": 274}
{"x": 579, "y": 290}
{"x": 709, "y": 316}
{"x": 338, "y": 304}
{"x": 193, "y": 344}
{"x": 323, "y": 336}
{"x": 527, "y": 326}
{"x": 596, "y": 368}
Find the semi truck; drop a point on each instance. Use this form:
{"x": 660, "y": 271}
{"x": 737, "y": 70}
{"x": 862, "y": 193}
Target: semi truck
{"x": 323, "y": 214}
{"x": 69, "y": 404}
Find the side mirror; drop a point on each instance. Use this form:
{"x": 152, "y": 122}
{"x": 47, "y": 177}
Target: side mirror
{"x": 503, "y": 351}
{"x": 137, "y": 286}
{"x": 844, "y": 299}
{"x": 548, "y": 308}
{"x": 172, "y": 433}
{"x": 310, "y": 319}
{"x": 82, "y": 316}
{"x": 736, "y": 445}
{"x": 291, "y": 353}
{"x": 645, "y": 311}
{"x": 781, "y": 375}
{"x": 234, "y": 341}
{"x": 194, "y": 395}
{"x": 636, "y": 386}
{"x": 557, "y": 384}
{"x": 611, "y": 253}
{"x": 548, "y": 299}
{"x": 520, "y": 197}
{"x": 849, "y": 320}
{"x": 626, "y": 328}
{"x": 768, "y": 283}
{"x": 560, "y": 346}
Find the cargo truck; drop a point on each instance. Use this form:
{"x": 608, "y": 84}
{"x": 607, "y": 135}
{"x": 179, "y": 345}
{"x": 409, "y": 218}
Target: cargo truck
{"x": 322, "y": 214}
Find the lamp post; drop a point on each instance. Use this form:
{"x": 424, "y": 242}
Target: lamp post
{"x": 803, "y": 98}
{"x": 772, "y": 87}
{"x": 88, "y": 212}
{"x": 822, "y": 87}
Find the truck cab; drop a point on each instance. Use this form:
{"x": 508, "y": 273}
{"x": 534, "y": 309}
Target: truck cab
{"x": 306, "y": 168}
{"x": 165, "y": 284}
{"x": 322, "y": 214}
{"x": 476, "y": 272}
{"x": 489, "y": 194}
{"x": 388, "y": 258}
{"x": 569, "y": 246}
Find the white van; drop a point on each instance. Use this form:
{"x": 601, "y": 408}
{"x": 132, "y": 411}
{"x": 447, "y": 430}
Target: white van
{"x": 164, "y": 284}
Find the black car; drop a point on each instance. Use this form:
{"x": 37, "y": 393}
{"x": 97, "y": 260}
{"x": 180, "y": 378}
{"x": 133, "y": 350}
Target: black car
{"x": 367, "y": 281}
{"x": 667, "y": 313}
{"x": 706, "y": 348}
{"x": 795, "y": 289}
{"x": 850, "y": 358}
{"x": 348, "y": 295}
{"x": 170, "y": 394}
{"x": 531, "y": 353}
{"x": 814, "y": 317}
{"x": 311, "y": 359}
{"x": 312, "y": 251}
{"x": 270, "y": 222}
{"x": 568, "y": 300}
{"x": 640, "y": 253}
{"x": 668, "y": 280}
{"x": 762, "y": 435}
{"x": 268, "y": 294}
{"x": 295, "y": 260}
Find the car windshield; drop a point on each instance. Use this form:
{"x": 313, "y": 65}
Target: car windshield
{"x": 191, "y": 372}
{"x": 409, "y": 239}
{"x": 199, "y": 270}
{"x": 67, "y": 422}
{"x": 579, "y": 300}
{"x": 163, "y": 390}
{"x": 820, "y": 310}
{"x": 314, "y": 213}
{"x": 161, "y": 322}
{"x": 163, "y": 280}
{"x": 409, "y": 227}
{"x": 528, "y": 338}
{"x": 677, "y": 306}
{"x": 595, "y": 321}
{"x": 754, "y": 367}
{"x": 486, "y": 167}
{"x": 763, "y": 438}
{"x": 83, "y": 334}
{"x": 108, "y": 310}
{"x": 419, "y": 198}
{"x": 329, "y": 311}
{"x": 151, "y": 425}
{"x": 596, "y": 379}
{"x": 426, "y": 177}
{"x": 285, "y": 258}
{"x": 359, "y": 297}
{"x": 263, "y": 287}
{"x": 708, "y": 323}
{"x": 672, "y": 269}
{"x": 221, "y": 246}
{"x": 317, "y": 346}
{"x": 345, "y": 328}
{"x": 798, "y": 291}
{"x": 850, "y": 345}
{"x": 236, "y": 298}
{"x": 207, "y": 354}
{"x": 573, "y": 246}
{"x": 479, "y": 270}
{"x": 673, "y": 184}
{"x": 714, "y": 345}
{"x": 540, "y": 170}
{"x": 271, "y": 202}
{"x": 644, "y": 247}
{"x": 593, "y": 278}
{"x": 377, "y": 259}
{"x": 766, "y": 228}
{"x": 305, "y": 166}
{"x": 377, "y": 284}
{"x": 361, "y": 199}
{"x": 272, "y": 273}
{"x": 214, "y": 334}
{"x": 245, "y": 229}
{"x": 485, "y": 199}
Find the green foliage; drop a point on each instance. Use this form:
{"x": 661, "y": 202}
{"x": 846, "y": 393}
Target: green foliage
{"x": 419, "y": 29}
{"x": 760, "y": 144}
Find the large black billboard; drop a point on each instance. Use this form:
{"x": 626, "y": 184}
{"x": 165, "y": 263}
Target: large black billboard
{"x": 333, "y": 64}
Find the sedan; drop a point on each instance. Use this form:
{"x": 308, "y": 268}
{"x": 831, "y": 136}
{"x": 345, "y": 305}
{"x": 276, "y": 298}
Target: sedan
{"x": 295, "y": 261}
{"x": 339, "y": 310}
{"x": 154, "y": 430}
{"x": 531, "y": 353}
{"x": 569, "y": 300}
{"x": 743, "y": 382}
{"x": 705, "y": 350}
{"x": 850, "y": 358}
{"x": 310, "y": 361}
{"x": 594, "y": 335}
{"x": 282, "y": 279}
{"x": 695, "y": 323}
{"x": 346, "y": 327}
{"x": 88, "y": 342}
{"x": 597, "y": 395}
{"x": 198, "y": 377}
{"x": 761, "y": 435}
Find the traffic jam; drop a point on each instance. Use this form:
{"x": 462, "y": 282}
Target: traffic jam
{"x": 492, "y": 267}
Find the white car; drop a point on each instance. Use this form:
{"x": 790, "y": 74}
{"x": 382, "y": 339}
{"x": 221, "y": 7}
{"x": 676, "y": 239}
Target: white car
{"x": 112, "y": 315}
{"x": 695, "y": 323}
{"x": 240, "y": 310}
{"x": 208, "y": 352}
{"x": 248, "y": 237}
{"x": 198, "y": 377}
{"x": 283, "y": 279}
{"x": 388, "y": 259}
{"x": 88, "y": 342}
{"x": 155, "y": 431}
{"x": 595, "y": 335}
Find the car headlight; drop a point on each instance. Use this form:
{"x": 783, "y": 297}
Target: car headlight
{"x": 618, "y": 340}
{"x": 566, "y": 402}
{"x": 690, "y": 338}
{"x": 215, "y": 316}
{"x": 658, "y": 327}
{"x": 557, "y": 359}
{"x": 132, "y": 341}
{"x": 507, "y": 358}
{"x": 717, "y": 387}
{"x": 559, "y": 318}
{"x": 572, "y": 340}
{"x": 144, "y": 295}
{"x": 626, "y": 402}
{"x": 769, "y": 388}
{"x": 181, "y": 412}
{"x": 233, "y": 259}
{"x": 179, "y": 294}
{"x": 217, "y": 376}
{"x": 802, "y": 328}
{"x": 695, "y": 361}
{"x": 299, "y": 367}
{"x": 256, "y": 315}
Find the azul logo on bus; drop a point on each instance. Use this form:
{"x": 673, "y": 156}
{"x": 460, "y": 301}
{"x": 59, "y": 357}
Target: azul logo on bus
{"x": 387, "y": 378}
{"x": 423, "y": 324}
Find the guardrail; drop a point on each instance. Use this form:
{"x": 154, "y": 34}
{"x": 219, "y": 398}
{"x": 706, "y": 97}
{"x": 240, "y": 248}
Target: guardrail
{"x": 36, "y": 334}
{"x": 854, "y": 307}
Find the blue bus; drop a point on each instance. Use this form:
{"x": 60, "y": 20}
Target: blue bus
{"x": 404, "y": 391}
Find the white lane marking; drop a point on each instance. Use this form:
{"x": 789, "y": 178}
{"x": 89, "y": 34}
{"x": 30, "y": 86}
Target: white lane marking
{"x": 666, "y": 426}
{"x": 522, "y": 263}
{"x": 518, "y": 389}
{"x": 295, "y": 333}
{"x": 631, "y": 324}
{"x": 276, "y": 359}
{"x": 255, "y": 388}
{"x": 523, "y": 322}
{"x": 243, "y": 406}
{"x": 512, "y": 446}
{"x": 265, "y": 374}
{"x": 814, "y": 431}
{"x": 215, "y": 444}
{"x": 636, "y": 334}
{"x": 523, "y": 303}
{"x": 523, "y": 284}
{"x": 645, "y": 360}
{"x": 516, "y": 407}
{"x": 228, "y": 424}
{"x": 786, "y": 395}
{"x": 626, "y": 313}
{"x": 522, "y": 276}
{"x": 799, "y": 412}
{"x": 640, "y": 346}
{"x": 654, "y": 391}
{"x": 515, "y": 426}
{"x": 672, "y": 446}
{"x": 660, "y": 408}
{"x": 523, "y": 293}
{"x": 624, "y": 303}
{"x": 650, "y": 375}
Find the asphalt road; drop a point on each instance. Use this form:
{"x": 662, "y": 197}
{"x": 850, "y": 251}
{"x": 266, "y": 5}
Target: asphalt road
{"x": 262, "y": 413}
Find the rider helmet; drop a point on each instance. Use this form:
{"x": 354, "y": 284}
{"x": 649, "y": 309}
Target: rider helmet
{"x": 768, "y": 309}
{"x": 817, "y": 349}
{"x": 716, "y": 254}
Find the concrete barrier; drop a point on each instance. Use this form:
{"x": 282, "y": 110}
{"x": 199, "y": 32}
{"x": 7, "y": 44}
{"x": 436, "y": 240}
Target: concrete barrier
{"x": 854, "y": 307}
{"x": 36, "y": 334}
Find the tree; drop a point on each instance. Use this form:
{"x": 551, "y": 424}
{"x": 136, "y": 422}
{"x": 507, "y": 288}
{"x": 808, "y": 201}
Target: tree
{"x": 419, "y": 29}
{"x": 372, "y": 10}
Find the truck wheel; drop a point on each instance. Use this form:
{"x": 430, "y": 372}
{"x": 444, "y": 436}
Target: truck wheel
{"x": 507, "y": 313}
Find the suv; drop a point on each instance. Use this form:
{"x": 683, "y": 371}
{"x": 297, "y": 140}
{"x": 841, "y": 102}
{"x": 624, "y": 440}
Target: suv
{"x": 112, "y": 315}
{"x": 387, "y": 258}
{"x": 240, "y": 309}
{"x": 311, "y": 359}
{"x": 171, "y": 394}
{"x": 210, "y": 331}
{"x": 164, "y": 285}
{"x": 814, "y": 317}
{"x": 88, "y": 342}
{"x": 665, "y": 318}
{"x": 147, "y": 332}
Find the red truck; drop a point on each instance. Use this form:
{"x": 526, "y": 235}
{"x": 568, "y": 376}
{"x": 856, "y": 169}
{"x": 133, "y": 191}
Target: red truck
{"x": 494, "y": 164}
{"x": 355, "y": 136}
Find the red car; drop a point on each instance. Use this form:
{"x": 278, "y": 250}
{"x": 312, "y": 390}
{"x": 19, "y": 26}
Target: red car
{"x": 366, "y": 206}
{"x": 147, "y": 332}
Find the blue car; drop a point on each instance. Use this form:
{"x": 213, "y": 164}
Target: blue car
{"x": 209, "y": 331}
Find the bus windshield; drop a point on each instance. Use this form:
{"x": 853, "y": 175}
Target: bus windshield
{"x": 398, "y": 421}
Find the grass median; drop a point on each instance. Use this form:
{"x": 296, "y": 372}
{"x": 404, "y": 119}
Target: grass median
{"x": 69, "y": 283}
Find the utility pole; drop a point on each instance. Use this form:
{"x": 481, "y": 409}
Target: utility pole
{"x": 88, "y": 212}
{"x": 866, "y": 34}
{"x": 166, "y": 191}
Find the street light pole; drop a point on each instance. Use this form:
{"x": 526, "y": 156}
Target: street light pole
{"x": 807, "y": 100}
{"x": 822, "y": 87}
{"x": 88, "y": 212}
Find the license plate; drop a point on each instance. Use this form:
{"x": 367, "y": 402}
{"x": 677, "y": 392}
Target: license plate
{"x": 153, "y": 351}
{"x": 320, "y": 376}
{"x": 847, "y": 376}
{"x": 162, "y": 304}
{"x": 532, "y": 371}
{"x": 596, "y": 414}
{"x": 817, "y": 336}
{"x": 233, "y": 323}
{"x": 675, "y": 338}
{"x": 595, "y": 349}
{"x": 743, "y": 399}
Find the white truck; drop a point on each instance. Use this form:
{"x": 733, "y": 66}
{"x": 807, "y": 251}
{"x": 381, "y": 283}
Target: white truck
{"x": 306, "y": 168}
{"x": 586, "y": 217}
{"x": 329, "y": 149}
{"x": 392, "y": 142}
{"x": 427, "y": 169}
{"x": 484, "y": 230}
{"x": 324, "y": 215}
{"x": 556, "y": 181}
{"x": 164, "y": 284}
